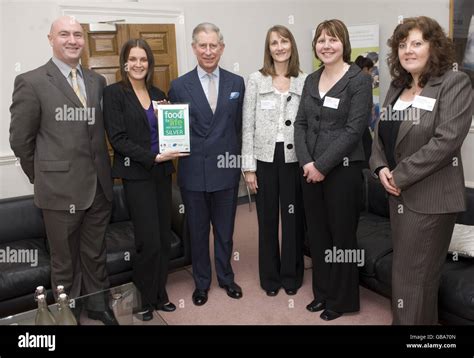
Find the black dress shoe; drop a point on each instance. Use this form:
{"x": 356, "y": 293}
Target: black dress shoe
{"x": 145, "y": 313}
{"x": 167, "y": 307}
{"x": 199, "y": 297}
{"x": 233, "y": 290}
{"x": 316, "y": 306}
{"x": 329, "y": 315}
{"x": 107, "y": 317}
{"x": 291, "y": 292}
{"x": 272, "y": 293}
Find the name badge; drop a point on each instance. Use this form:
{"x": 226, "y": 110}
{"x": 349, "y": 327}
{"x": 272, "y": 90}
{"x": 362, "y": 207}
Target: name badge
{"x": 423, "y": 102}
{"x": 267, "y": 104}
{"x": 331, "y": 102}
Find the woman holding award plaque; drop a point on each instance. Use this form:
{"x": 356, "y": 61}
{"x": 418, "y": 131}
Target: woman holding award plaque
{"x": 132, "y": 129}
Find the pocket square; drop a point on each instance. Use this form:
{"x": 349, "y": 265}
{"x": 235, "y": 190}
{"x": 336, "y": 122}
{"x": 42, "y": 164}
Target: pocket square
{"x": 234, "y": 95}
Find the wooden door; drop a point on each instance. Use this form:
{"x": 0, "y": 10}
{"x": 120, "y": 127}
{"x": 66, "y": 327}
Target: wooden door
{"x": 102, "y": 51}
{"x": 162, "y": 41}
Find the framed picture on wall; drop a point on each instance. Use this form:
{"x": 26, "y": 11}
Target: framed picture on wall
{"x": 461, "y": 30}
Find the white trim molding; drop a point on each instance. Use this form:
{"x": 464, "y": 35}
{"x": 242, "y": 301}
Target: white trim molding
{"x": 134, "y": 13}
{"x": 118, "y": 11}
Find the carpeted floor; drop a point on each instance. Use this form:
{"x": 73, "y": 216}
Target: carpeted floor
{"x": 255, "y": 307}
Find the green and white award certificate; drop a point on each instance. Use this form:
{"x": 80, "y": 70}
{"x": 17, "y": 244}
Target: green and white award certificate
{"x": 173, "y": 127}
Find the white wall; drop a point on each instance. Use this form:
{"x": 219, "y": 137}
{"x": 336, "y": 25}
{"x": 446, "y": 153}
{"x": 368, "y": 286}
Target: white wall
{"x": 467, "y": 154}
{"x": 23, "y": 33}
{"x": 245, "y": 23}
{"x": 23, "y": 29}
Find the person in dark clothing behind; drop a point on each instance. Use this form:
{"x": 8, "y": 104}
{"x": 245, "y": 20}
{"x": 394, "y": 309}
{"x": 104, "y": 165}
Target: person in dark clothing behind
{"x": 366, "y": 65}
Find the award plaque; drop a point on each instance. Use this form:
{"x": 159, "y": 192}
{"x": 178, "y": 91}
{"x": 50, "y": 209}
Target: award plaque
{"x": 173, "y": 127}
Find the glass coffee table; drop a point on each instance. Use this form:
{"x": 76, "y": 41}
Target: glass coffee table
{"x": 125, "y": 302}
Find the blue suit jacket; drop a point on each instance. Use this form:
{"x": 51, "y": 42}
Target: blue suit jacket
{"x": 214, "y": 137}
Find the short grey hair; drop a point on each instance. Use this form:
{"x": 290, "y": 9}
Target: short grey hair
{"x": 207, "y": 27}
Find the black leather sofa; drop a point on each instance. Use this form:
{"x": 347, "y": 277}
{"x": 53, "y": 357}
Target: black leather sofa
{"x": 22, "y": 227}
{"x": 456, "y": 293}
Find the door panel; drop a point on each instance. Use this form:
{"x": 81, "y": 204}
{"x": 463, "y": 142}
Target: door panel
{"x": 102, "y": 51}
{"x": 162, "y": 41}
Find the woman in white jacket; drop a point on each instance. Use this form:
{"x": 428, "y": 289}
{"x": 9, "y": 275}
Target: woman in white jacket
{"x": 270, "y": 165}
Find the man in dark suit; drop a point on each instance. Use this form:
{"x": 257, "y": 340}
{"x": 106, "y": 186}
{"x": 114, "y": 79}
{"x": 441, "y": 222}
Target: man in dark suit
{"x": 57, "y": 133}
{"x": 209, "y": 189}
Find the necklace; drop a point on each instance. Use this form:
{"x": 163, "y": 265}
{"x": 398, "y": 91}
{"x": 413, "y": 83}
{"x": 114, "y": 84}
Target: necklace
{"x": 415, "y": 90}
{"x": 281, "y": 83}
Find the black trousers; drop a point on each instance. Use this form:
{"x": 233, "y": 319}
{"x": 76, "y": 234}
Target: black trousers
{"x": 332, "y": 210}
{"x": 279, "y": 193}
{"x": 149, "y": 204}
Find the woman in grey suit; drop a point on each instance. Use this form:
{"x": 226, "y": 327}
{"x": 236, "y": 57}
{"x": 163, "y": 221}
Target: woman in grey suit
{"x": 271, "y": 169}
{"x": 332, "y": 117}
{"x": 416, "y": 154}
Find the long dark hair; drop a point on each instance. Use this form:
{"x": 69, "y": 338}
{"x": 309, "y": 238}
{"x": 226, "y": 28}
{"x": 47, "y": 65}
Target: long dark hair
{"x": 125, "y": 51}
{"x": 442, "y": 55}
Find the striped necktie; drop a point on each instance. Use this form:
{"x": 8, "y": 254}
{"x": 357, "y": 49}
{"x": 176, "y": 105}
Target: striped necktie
{"x": 75, "y": 87}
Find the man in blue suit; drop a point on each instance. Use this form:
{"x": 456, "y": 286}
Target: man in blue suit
{"x": 208, "y": 185}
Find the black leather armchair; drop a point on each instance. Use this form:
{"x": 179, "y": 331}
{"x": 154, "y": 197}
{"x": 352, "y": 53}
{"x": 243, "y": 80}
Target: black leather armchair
{"x": 22, "y": 228}
{"x": 456, "y": 292}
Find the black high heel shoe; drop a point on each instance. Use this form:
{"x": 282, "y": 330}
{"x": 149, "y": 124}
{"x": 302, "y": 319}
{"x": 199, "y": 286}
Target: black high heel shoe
{"x": 145, "y": 313}
{"x": 329, "y": 315}
{"x": 316, "y": 306}
{"x": 167, "y": 307}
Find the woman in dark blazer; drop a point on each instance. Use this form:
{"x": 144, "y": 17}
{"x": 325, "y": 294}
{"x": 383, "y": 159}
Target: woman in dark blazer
{"x": 418, "y": 161}
{"x": 331, "y": 119}
{"x": 131, "y": 127}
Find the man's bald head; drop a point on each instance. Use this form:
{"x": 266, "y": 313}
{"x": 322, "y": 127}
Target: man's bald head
{"x": 66, "y": 37}
{"x": 71, "y": 20}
